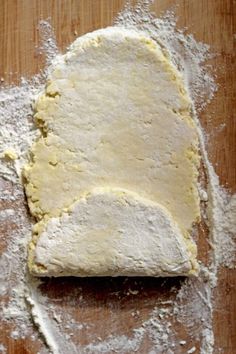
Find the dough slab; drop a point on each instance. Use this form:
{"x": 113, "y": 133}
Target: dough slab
{"x": 113, "y": 179}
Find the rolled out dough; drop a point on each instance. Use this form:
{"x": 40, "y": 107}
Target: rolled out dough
{"x": 113, "y": 178}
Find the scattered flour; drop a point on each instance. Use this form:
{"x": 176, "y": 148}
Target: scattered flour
{"x": 193, "y": 305}
{"x": 17, "y": 127}
{"x": 159, "y": 332}
{"x": 3, "y": 349}
{"x": 39, "y": 310}
{"x": 48, "y": 41}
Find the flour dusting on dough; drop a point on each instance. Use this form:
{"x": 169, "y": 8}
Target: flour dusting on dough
{"x": 192, "y": 304}
{"x": 124, "y": 146}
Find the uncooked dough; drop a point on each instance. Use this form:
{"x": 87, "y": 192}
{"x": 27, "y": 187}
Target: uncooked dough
{"x": 113, "y": 178}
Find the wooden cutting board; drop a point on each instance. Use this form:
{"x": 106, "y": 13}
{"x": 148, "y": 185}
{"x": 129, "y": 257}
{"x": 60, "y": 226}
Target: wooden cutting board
{"x": 212, "y": 22}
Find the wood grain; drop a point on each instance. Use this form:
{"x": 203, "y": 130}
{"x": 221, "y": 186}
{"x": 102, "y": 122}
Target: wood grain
{"x": 212, "y": 22}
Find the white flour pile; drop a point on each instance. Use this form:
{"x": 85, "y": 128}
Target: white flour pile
{"x": 191, "y": 305}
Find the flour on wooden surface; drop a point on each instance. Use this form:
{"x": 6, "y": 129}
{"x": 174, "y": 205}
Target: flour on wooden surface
{"x": 3, "y": 349}
{"x": 193, "y": 303}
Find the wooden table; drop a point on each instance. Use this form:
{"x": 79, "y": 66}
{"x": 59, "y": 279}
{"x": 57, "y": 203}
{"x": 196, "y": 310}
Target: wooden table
{"x": 211, "y": 21}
